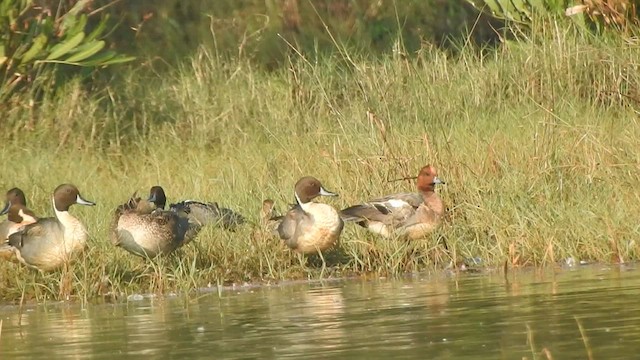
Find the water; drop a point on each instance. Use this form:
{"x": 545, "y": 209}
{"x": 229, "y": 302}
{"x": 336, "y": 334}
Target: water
{"x": 430, "y": 317}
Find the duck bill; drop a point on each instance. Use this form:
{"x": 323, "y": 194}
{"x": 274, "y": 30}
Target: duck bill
{"x": 324, "y": 192}
{"x": 81, "y": 201}
{"x": 6, "y": 208}
{"x": 437, "y": 181}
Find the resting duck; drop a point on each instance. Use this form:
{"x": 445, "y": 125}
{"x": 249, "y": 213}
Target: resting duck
{"x": 200, "y": 213}
{"x": 144, "y": 228}
{"x": 410, "y": 215}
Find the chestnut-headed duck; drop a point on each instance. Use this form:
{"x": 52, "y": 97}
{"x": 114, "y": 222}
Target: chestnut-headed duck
{"x": 409, "y": 215}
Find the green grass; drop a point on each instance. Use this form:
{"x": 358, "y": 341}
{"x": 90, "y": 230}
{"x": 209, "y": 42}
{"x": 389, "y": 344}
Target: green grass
{"x": 537, "y": 141}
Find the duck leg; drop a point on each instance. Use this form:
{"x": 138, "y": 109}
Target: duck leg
{"x": 324, "y": 263}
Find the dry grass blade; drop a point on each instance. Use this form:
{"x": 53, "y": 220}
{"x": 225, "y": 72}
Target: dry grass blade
{"x": 585, "y": 339}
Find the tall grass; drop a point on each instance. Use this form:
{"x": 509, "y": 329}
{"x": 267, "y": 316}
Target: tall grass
{"x": 537, "y": 141}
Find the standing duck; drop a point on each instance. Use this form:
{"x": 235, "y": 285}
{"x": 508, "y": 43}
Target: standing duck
{"x": 310, "y": 227}
{"x": 49, "y": 243}
{"x": 410, "y": 215}
{"x": 144, "y": 228}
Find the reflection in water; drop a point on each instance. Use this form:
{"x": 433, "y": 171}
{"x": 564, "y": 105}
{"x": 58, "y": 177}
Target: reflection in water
{"x": 444, "y": 317}
{"x": 317, "y": 313}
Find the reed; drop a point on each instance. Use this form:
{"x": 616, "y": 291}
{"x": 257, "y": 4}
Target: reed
{"x": 536, "y": 139}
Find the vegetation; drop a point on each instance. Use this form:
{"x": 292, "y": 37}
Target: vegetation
{"x": 536, "y": 139}
{"x": 37, "y": 39}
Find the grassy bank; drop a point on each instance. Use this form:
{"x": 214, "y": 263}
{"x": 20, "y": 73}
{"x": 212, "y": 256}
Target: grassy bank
{"x": 537, "y": 142}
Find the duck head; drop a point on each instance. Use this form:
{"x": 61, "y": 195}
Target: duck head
{"x": 14, "y": 196}
{"x": 66, "y": 195}
{"x": 309, "y": 188}
{"x": 428, "y": 179}
{"x": 157, "y": 196}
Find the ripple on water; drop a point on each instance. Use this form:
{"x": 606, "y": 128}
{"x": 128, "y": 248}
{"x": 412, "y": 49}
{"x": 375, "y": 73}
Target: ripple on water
{"x": 438, "y": 316}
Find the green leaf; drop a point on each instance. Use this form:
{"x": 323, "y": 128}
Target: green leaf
{"x": 78, "y": 26}
{"x": 38, "y": 44}
{"x": 510, "y": 11}
{"x": 100, "y": 58}
{"x": 523, "y": 9}
{"x": 67, "y": 23}
{"x": 108, "y": 58}
{"x": 86, "y": 51}
{"x": 537, "y": 5}
{"x": 70, "y": 19}
{"x": 495, "y": 8}
{"x": 98, "y": 29}
{"x": 79, "y": 6}
{"x": 119, "y": 59}
{"x": 65, "y": 46}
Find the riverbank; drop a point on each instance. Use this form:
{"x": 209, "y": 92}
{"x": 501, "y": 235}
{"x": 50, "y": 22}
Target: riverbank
{"x": 537, "y": 142}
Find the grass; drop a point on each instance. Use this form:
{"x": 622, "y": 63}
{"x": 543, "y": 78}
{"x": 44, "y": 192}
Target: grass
{"x": 537, "y": 141}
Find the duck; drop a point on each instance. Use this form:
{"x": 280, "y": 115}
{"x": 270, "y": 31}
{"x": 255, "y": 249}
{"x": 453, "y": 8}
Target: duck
{"x": 50, "y": 243}
{"x": 403, "y": 215}
{"x": 18, "y": 216}
{"x": 269, "y": 221}
{"x": 201, "y": 213}
{"x": 14, "y": 196}
{"x": 310, "y": 227}
{"x": 143, "y": 228}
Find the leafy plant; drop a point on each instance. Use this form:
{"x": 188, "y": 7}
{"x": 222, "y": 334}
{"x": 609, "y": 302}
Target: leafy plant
{"x": 614, "y": 13}
{"x": 520, "y": 11}
{"x": 36, "y": 38}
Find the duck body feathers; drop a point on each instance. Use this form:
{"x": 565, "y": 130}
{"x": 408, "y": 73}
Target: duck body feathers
{"x": 47, "y": 243}
{"x": 398, "y": 215}
{"x": 409, "y": 215}
{"x": 210, "y": 213}
{"x": 146, "y": 231}
{"x": 388, "y": 210}
{"x": 316, "y": 227}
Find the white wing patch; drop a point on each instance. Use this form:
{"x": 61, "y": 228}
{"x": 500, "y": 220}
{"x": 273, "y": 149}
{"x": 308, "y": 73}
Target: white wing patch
{"x": 396, "y": 203}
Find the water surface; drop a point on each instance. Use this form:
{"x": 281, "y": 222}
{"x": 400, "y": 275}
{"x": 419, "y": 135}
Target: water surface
{"x": 443, "y": 316}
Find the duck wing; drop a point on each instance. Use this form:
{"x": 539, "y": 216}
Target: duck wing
{"x": 149, "y": 235}
{"x": 208, "y": 213}
{"x": 400, "y": 200}
{"x": 177, "y": 229}
{"x": 34, "y": 239}
{"x": 35, "y": 233}
{"x": 390, "y": 209}
{"x": 128, "y": 207}
{"x": 288, "y": 223}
